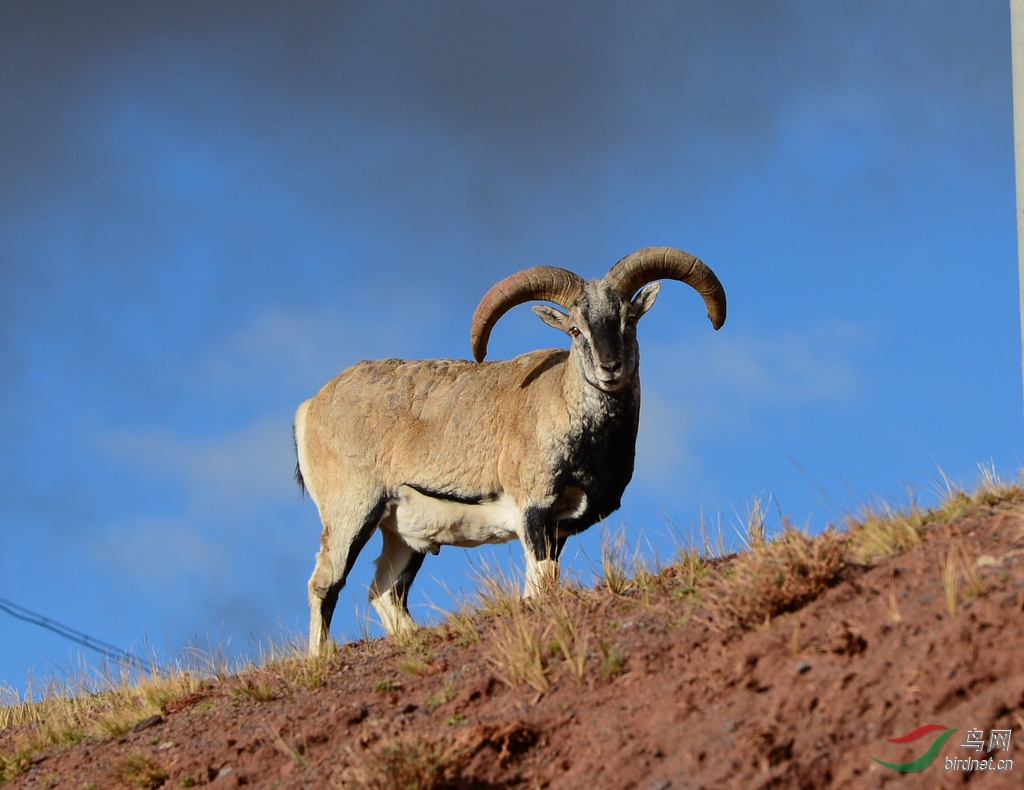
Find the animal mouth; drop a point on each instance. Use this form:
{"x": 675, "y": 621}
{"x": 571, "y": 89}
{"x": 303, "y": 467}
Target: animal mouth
{"x": 612, "y": 383}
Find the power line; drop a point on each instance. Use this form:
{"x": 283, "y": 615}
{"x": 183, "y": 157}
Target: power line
{"x": 108, "y": 650}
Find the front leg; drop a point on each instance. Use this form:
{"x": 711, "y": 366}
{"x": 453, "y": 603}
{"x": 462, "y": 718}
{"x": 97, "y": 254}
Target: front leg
{"x": 542, "y": 547}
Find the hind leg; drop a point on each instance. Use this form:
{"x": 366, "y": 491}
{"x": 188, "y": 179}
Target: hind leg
{"x": 348, "y": 524}
{"x": 397, "y": 566}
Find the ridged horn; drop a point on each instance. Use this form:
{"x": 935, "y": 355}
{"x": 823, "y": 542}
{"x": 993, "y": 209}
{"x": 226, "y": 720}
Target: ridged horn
{"x": 654, "y": 263}
{"x": 539, "y": 283}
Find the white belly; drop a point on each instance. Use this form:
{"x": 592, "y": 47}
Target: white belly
{"x": 426, "y": 523}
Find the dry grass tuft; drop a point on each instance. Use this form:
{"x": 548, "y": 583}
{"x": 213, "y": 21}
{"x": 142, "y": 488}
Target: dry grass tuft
{"x": 616, "y": 560}
{"x": 405, "y": 763}
{"x": 882, "y": 531}
{"x": 69, "y": 711}
{"x": 989, "y": 490}
{"x": 497, "y": 593}
{"x": 517, "y": 655}
{"x": 462, "y": 622}
{"x": 570, "y": 639}
{"x": 308, "y": 673}
{"x": 613, "y": 660}
{"x": 76, "y": 707}
{"x": 141, "y": 770}
{"x": 15, "y": 764}
{"x": 754, "y": 533}
{"x": 259, "y": 689}
{"x": 690, "y": 569}
{"x": 780, "y": 576}
{"x": 956, "y": 567}
{"x": 712, "y": 542}
{"x": 948, "y": 562}
{"x": 894, "y": 607}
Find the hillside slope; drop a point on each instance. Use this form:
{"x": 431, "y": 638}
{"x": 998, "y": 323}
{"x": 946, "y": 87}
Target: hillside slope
{"x": 687, "y": 677}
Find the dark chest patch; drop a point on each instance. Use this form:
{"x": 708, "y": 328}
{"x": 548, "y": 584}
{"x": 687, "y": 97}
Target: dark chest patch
{"x": 600, "y": 462}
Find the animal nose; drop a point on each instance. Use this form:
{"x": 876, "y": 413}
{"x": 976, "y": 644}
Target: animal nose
{"x": 612, "y": 367}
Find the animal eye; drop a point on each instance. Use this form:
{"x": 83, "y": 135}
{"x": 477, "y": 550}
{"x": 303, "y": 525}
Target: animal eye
{"x": 574, "y": 331}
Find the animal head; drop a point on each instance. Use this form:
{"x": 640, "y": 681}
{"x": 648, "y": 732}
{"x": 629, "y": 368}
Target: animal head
{"x": 601, "y": 315}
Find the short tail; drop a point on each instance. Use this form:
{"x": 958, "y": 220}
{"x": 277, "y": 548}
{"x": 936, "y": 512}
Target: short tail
{"x": 298, "y": 469}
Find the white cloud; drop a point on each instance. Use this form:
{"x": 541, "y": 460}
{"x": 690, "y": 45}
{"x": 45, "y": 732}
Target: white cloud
{"x": 723, "y": 387}
{"x": 744, "y": 371}
{"x": 265, "y": 368}
{"x": 280, "y": 351}
{"x": 156, "y": 550}
{"x": 661, "y": 446}
{"x": 284, "y": 356}
{"x": 240, "y": 471}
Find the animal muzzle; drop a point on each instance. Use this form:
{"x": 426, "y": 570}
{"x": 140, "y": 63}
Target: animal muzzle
{"x": 611, "y": 375}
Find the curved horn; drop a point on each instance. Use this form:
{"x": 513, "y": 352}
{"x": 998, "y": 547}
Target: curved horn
{"x": 653, "y": 263}
{"x": 544, "y": 283}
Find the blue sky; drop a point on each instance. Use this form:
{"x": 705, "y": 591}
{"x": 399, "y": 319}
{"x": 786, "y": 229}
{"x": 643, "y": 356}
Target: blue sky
{"x": 210, "y": 209}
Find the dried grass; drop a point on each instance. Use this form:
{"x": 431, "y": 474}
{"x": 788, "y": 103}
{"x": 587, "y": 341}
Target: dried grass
{"x": 754, "y": 532}
{"x": 570, "y": 638}
{"x": 517, "y": 654}
{"x": 883, "y": 530}
{"x": 497, "y": 592}
{"x": 616, "y": 560}
{"x": 141, "y": 770}
{"x": 462, "y": 622}
{"x": 948, "y": 562}
{"x": 780, "y": 576}
{"x": 956, "y": 567}
{"x": 405, "y": 763}
{"x": 86, "y": 704}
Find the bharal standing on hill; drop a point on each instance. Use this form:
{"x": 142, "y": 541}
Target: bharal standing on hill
{"x": 444, "y": 452}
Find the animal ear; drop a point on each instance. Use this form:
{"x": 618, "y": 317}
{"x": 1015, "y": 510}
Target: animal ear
{"x": 552, "y": 317}
{"x": 645, "y": 299}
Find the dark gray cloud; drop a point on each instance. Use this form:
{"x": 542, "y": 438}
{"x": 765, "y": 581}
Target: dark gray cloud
{"x": 533, "y": 83}
{"x": 403, "y": 116}
{"x": 449, "y": 126}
